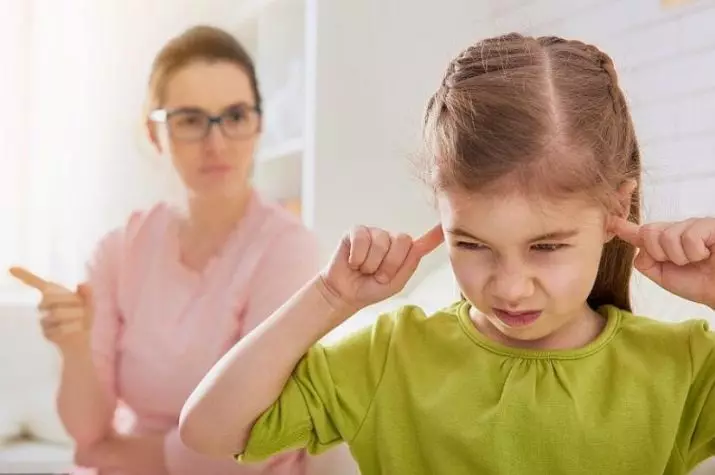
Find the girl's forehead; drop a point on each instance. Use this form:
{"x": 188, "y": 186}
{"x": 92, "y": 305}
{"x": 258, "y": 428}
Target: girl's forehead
{"x": 512, "y": 208}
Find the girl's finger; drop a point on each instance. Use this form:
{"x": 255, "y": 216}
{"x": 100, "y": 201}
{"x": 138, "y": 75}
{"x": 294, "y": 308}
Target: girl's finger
{"x": 379, "y": 246}
{"x": 395, "y": 258}
{"x": 671, "y": 241}
{"x": 651, "y": 241}
{"x": 359, "y": 246}
{"x": 695, "y": 238}
{"x": 627, "y": 231}
{"x": 429, "y": 241}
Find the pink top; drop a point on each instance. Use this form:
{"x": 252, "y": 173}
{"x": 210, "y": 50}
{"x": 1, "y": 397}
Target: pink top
{"x": 159, "y": 326}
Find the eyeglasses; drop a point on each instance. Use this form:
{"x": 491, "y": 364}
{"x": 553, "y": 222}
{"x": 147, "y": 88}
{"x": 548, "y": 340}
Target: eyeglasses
{"x": 192, "y": 124}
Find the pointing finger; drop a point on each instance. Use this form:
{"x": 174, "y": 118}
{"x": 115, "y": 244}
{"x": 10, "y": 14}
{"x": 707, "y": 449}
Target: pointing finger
{"x": 29, "y": 279}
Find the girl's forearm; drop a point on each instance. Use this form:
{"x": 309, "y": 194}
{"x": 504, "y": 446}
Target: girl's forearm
{"x": 218, "y": 416}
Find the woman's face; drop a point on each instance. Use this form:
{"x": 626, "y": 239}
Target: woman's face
{"x": 212, "y": 159}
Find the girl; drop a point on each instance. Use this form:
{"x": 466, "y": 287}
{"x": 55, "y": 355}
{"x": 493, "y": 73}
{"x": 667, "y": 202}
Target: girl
{"x": 173, "y": 289}
{"x": 541, "y": 368}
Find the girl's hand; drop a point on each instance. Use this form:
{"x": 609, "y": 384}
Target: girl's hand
{"x": 66, "y": 315}
{"x": 680, "y": 257}
{"x": 371, "y": 264}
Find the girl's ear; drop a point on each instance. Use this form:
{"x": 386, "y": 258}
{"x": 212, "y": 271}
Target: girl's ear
{"x": 624, "y": 195}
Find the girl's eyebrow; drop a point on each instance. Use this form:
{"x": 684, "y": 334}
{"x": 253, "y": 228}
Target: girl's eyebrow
{"x": 550, "y": 236}
{"x": 557, "y": 235}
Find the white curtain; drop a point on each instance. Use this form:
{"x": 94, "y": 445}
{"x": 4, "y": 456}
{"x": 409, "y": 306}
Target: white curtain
{"x": 17, "y": 161}
{"x": 50, "y": 138}
{"x": 72, "y": 159}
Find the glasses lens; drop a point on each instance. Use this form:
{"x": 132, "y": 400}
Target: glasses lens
{"x": 239, "y": 122}
{"x": 188, "y": 125}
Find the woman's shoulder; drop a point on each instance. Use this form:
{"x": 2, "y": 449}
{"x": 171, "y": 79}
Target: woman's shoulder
{"x": 279, "y": 223}
{"x": 136, "y": 228}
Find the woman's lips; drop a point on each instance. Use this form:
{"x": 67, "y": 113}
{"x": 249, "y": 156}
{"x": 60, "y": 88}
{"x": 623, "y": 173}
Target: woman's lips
{"x": 215, "y": 169}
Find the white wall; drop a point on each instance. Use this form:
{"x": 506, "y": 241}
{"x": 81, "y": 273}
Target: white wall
{"x": 666, "y": 62}
{"x": 88, "y": 64}
{"x": 376, "y": 63}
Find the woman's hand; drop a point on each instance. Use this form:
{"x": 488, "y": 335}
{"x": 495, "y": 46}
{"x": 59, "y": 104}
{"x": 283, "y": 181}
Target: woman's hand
{"x": 66, "y": 315}
{"x": 679, "y": 256}
{"x": 371, "y": 264}
{"x": 128, "y": 455}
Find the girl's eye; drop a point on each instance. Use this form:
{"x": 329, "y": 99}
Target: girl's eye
{"x": 548, "y": 247}
{"x": 472, "y": 246}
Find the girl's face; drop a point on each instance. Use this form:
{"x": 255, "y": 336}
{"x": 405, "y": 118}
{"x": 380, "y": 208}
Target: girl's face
{"x": 527, "y": 265}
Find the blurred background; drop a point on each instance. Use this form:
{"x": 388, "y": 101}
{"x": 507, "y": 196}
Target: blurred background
{"x": 345, "y": 83}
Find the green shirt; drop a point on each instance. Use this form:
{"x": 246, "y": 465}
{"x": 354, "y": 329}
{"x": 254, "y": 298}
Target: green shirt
{"x": 418, "y": 395}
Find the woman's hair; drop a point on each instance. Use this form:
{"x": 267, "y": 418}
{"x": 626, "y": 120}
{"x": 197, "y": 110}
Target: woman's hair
{"x": 199, "y": 43}
{"x": 544, "y": 115}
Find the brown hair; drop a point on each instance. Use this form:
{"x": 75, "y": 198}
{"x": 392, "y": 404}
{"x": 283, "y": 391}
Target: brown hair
{"x": 199, "y": 43}
{"x": 543, "y": 113}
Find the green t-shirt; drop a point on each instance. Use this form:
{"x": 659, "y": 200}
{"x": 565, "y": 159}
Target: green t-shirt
{"x": 418, "y": 395}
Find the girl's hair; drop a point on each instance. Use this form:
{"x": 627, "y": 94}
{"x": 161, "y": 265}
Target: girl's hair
{"x": 545, "y": 115}
{"x": 199, "y": 43}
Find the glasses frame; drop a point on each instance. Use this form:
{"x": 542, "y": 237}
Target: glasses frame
{"x": 163, "y": 115}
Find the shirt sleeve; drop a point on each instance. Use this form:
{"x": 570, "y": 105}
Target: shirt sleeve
{"x": 698, "y": 419}
{"x": 102, "y": 276}
{"x": 327, "y": 397}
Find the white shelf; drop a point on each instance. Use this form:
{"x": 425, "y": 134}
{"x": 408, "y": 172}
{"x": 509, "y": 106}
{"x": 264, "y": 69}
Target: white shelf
{"x": 288, "y": 149}
{"x": 281, "y": 177}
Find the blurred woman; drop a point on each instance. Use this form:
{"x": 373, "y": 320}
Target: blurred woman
{"x": 172, "y": 290}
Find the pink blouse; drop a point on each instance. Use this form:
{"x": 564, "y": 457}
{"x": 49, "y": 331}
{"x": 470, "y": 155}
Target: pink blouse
{"x": 159, "y": 326}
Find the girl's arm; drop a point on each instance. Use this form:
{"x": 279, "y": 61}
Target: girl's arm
{"x": 290, "y": 262}
{"x": 218, "y": 415}
{"x": 369, "y": 266}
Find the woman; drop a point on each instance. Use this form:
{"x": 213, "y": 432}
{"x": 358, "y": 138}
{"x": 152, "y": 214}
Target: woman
{"x": 174, "y": 288}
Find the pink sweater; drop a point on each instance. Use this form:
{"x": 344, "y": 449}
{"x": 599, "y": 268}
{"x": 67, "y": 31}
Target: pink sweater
{"x": 159, "y": 326}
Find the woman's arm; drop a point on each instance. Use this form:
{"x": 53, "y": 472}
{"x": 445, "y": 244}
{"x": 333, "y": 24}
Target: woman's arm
{"x": 126, "y": 454}
{"x": 67, "y": 321}
{"x": 84, "y": 408}
{"x": 87, "y": 397}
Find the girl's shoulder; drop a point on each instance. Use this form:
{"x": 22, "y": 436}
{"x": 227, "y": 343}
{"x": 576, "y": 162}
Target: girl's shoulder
{"x": 636, "y": 324}
{"x": 690, "y": 338}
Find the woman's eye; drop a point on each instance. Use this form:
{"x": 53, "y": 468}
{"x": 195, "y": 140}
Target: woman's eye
{"x": 236, "y": 115}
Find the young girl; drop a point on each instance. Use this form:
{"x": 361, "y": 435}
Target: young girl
{"x": 541, "y": 368}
